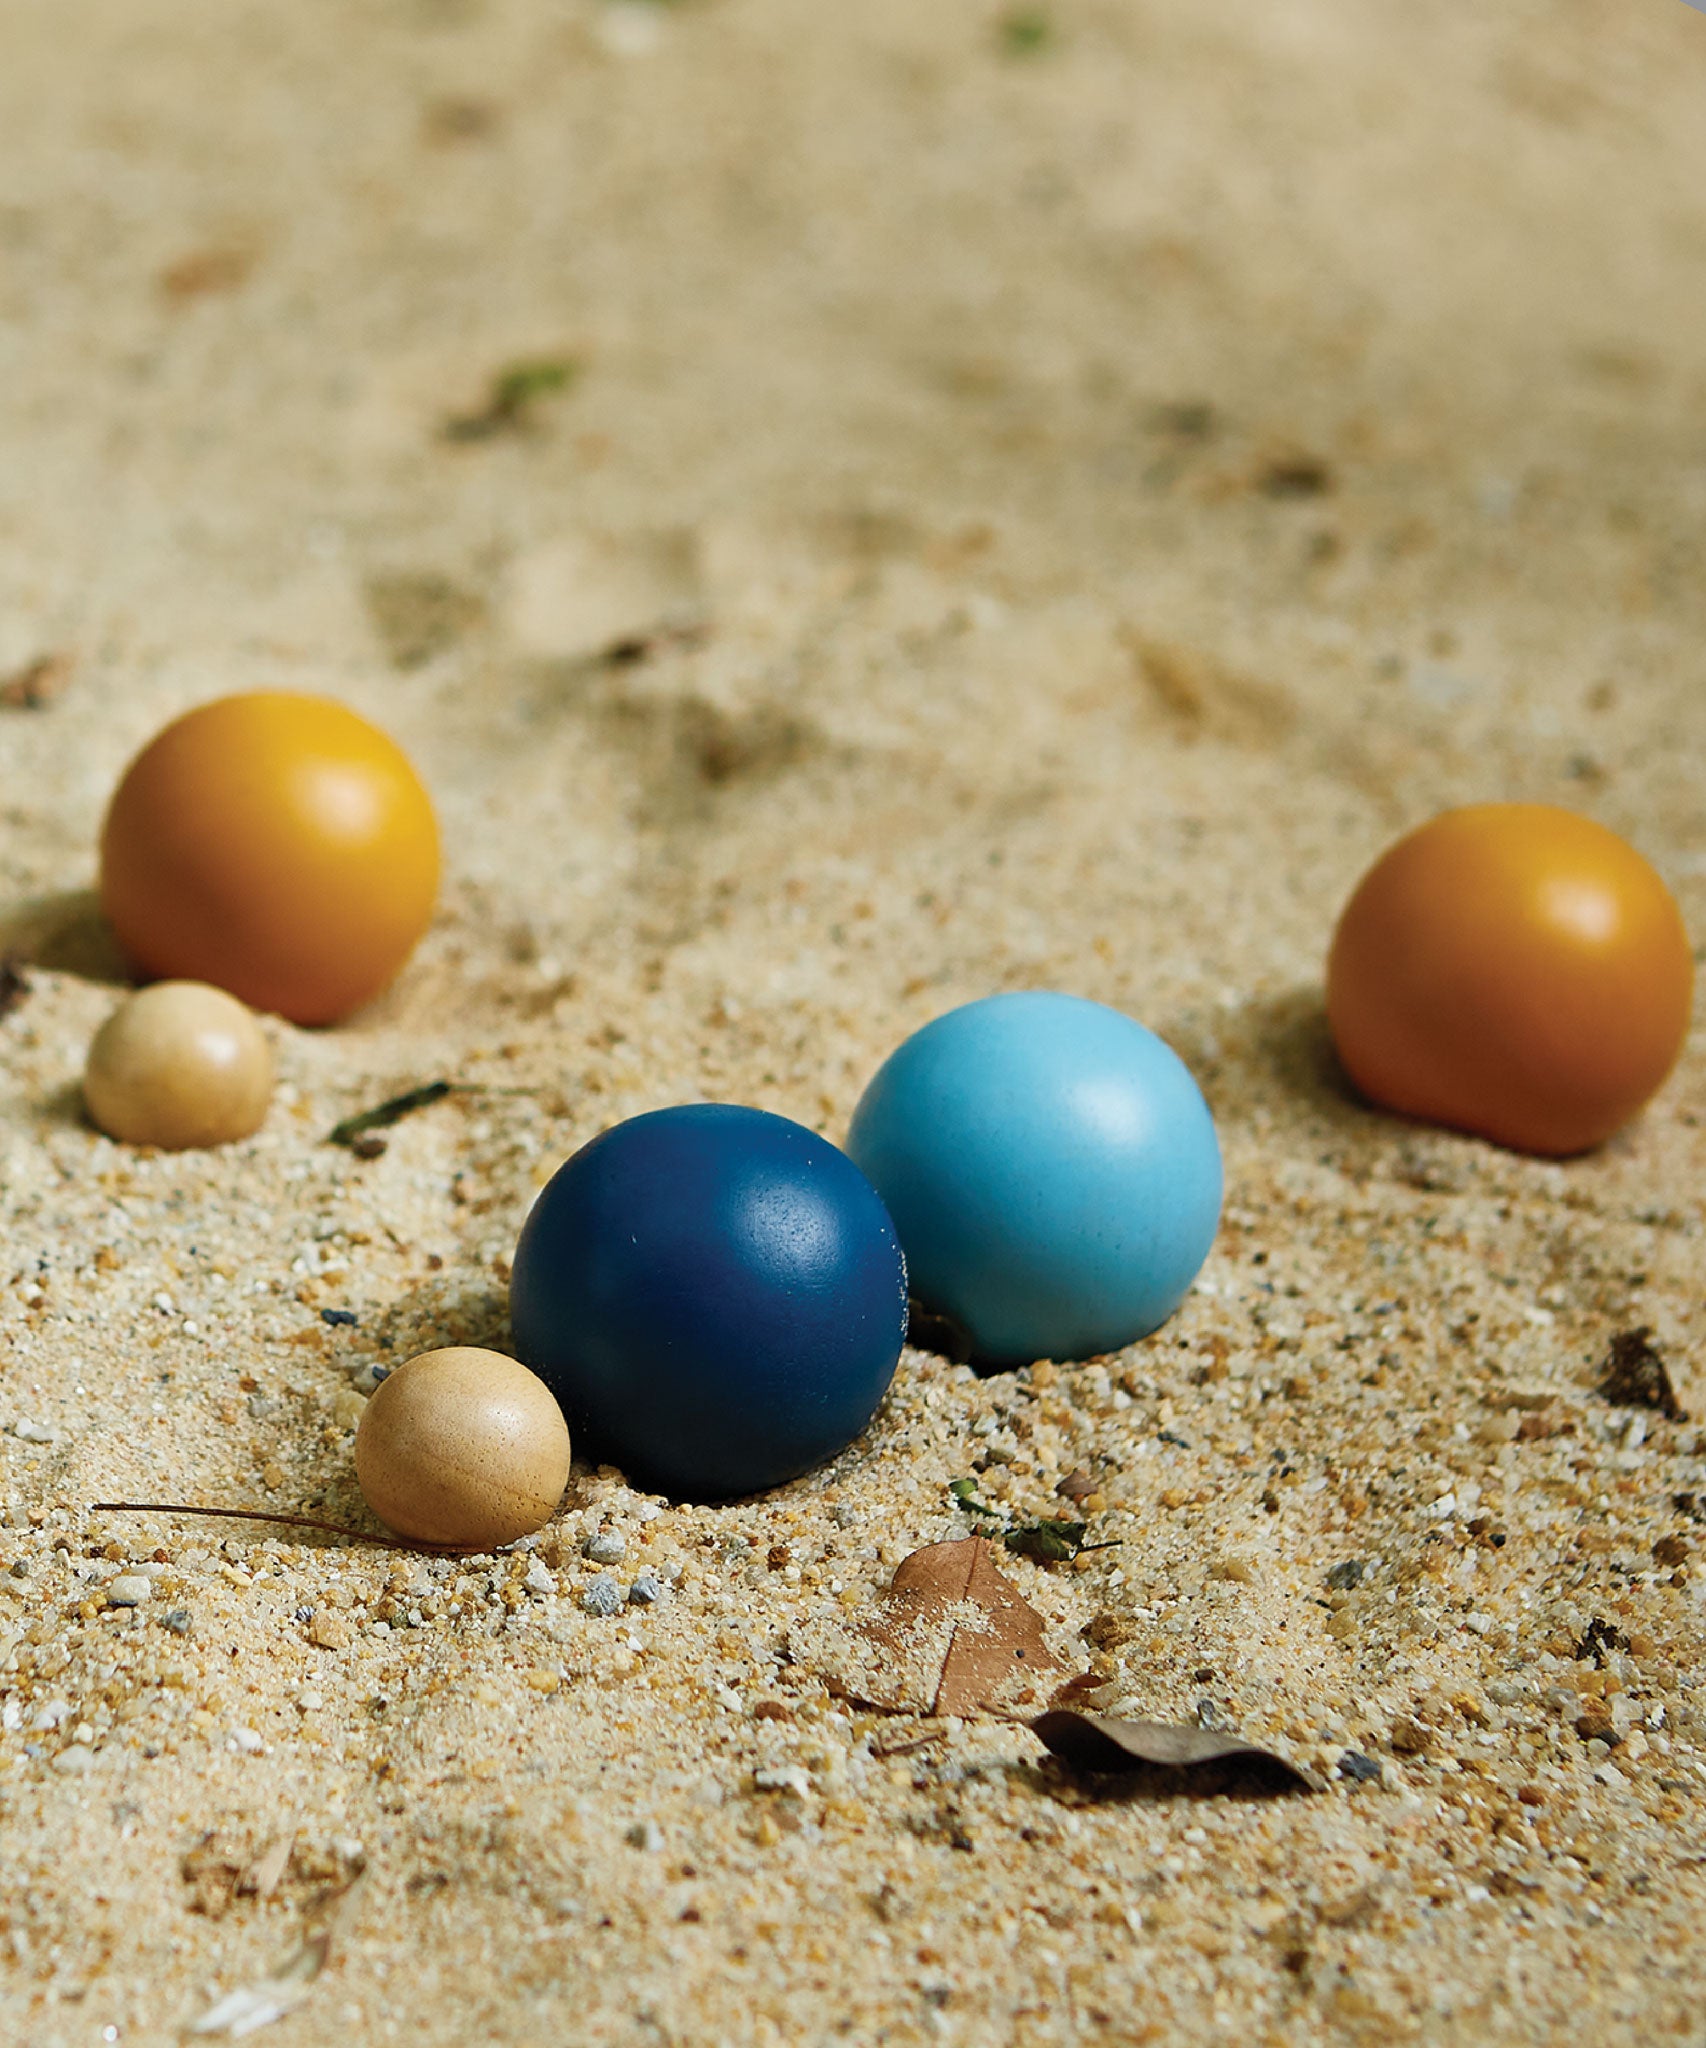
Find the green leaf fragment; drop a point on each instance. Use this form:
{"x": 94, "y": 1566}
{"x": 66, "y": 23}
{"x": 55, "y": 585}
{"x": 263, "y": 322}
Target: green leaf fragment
{"x": 1047, "y": 1542}
{"x": 391, "y": 1112}
{"x": 1025, "y": 30}
{"x": 521, "y": 383}
{"x": 512, "y": 395}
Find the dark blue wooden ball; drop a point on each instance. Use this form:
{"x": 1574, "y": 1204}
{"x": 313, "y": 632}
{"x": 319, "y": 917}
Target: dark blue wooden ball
{"x": 715, "y": 1295}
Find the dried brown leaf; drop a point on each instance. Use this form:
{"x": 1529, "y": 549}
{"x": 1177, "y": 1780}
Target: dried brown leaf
{"x": 952, "y": 1637}
{"x": 1207, "y": 1759}
{"x": 1089, "y": 1692}
{"x": 1600, "y": 1639}
{"x": 34, "y": 686}
{"x": 1295, "y": 474}
{"x": 1635, "y": 1375}
{"x": 205, "y": 271}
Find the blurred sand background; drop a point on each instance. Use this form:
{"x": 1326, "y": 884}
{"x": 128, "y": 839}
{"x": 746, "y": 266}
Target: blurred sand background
{"x": 1038, "y": 499}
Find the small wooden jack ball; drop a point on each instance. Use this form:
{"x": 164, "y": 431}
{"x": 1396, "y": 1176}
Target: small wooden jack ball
{"x": 179, "y": 1065}
{"x": 463, "y": 1448}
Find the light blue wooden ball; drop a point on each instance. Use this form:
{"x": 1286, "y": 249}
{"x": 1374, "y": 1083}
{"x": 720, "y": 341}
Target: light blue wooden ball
{"x": 1051, "y": 1168}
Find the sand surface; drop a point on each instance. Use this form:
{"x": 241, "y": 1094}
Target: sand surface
{"x": 1061, "y": 507}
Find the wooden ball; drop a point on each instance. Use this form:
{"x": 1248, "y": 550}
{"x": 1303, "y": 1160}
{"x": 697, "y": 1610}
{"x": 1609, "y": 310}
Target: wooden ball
{"x": 464, "y": 1448}
{"x": 179, "y": 1065}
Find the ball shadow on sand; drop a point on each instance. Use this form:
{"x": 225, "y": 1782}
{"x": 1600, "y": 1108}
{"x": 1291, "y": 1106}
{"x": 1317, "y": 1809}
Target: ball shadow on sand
{"x": 65, "y": 934}
{"x": 429, "y": 1318}
{"x": 1281, "y": 1066}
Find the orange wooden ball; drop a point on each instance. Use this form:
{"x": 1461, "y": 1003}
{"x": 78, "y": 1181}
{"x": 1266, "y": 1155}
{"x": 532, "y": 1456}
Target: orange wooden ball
{"x": 1514, "y": 970}
{"x": 464, "y": 1448}
{"x": 277, "y": 846}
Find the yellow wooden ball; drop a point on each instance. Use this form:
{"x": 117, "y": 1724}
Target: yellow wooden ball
{"x": 179, "y": 1065}
{"x": 463, "y": 1448}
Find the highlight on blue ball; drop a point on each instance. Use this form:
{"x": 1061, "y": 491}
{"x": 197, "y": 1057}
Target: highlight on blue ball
{"x": 715, "y": 1295}
{"x": 1052, "y": 1169}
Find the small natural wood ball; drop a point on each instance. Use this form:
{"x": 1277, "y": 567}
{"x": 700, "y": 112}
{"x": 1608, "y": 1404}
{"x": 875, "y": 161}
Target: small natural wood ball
{"x": 179, "y": 1065}
{"x": 464, "y": 1448}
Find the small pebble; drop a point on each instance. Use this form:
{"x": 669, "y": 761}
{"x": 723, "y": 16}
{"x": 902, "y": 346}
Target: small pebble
{"x": 79, "y": 1757}
{"x": 538, "y": 1579}
{"x": 645, "y": 1834}
{"x": 130, "y": 1590}
{"x": 603, "y": 1596}
{"x": 607, "y": 1546}
{"x": 329, "y": 1631}
{"x": 348, "y": 1408}
{"x": 1235, "y": 1567}
{"x": 178, "y": 1621}
{"x": 1360, "y": 1769}
{"x": 645, "y": 1589}
{"x": 179, "y": 1065}
{"x": 246, "y": 1740}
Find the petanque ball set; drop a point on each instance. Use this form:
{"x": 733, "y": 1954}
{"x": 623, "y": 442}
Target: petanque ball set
{"x": 717, "y": 1297}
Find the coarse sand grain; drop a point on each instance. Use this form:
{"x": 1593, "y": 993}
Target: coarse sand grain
{"x": 984, "y": 501}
